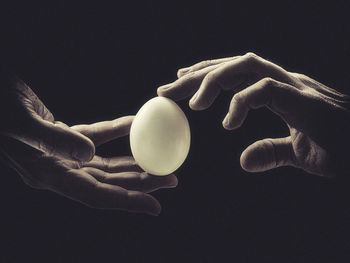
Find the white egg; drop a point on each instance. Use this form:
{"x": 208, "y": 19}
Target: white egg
{"x": 160, "y": 136}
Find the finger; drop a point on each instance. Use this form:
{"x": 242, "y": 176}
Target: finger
{"x": 232, "y": 75}
{"x": 56, "y": 139}
{"x": 198, "y": 66}
{"x": 80, "y": 186}
{"x": 33, "y": 124}
{"x": 267, "y": 154}
{"x": 114, "y": 164}
{"x": 185, "y": 86}
{"x": 134, "y": 180}
{"x": 279, "y": 97}
{"x": 105, "y": 131}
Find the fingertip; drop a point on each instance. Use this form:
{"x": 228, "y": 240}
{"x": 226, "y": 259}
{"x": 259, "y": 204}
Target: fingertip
{"x": 197, "y": 106}
{"x": 156, "y": 208}
{"x": 230, "y": 125}
{"x": 131, "y": 117}
{"x": 194, "y": 103}
{"x": 235, "y": 116}
{"x": 127, "y": 119}
{"x": 251, "y": 158}
{"x": 201, "y": 100}
{"x": 172, "y": 181}
{"x": 161, "y": 91}
{"x": 181, "y": 72}
{"x": 144, "y": 203}
{"x": 226, "y": 122}
{"x": 84, "y": 151}
{"x": 255, "y": 158}
{"x": 245, "y": 162}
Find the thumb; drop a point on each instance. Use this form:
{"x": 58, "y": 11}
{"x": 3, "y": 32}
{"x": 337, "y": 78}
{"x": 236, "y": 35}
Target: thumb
{"x": 267, "y": 154}
{"x": 56, "y": 138}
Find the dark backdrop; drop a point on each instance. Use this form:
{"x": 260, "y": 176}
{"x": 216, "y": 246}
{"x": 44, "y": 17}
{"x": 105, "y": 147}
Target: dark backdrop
{"x": 95, "y": 61}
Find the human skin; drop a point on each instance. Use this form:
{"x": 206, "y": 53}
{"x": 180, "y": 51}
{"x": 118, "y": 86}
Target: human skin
{"x": 317, "y": 116}
{"x": 50, "y": 155}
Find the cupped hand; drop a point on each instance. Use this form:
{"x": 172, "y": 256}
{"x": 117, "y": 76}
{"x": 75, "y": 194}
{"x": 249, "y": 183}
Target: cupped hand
{"x": 318, "y": 117}
{"x": 50, "y": 155}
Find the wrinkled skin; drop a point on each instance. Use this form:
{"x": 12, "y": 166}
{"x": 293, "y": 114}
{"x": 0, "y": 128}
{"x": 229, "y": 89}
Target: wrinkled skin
{"x": 318, "y": 117}
{"x": 50, "y": 155}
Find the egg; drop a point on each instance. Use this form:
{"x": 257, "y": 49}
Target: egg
{"x": 160, "y": 136}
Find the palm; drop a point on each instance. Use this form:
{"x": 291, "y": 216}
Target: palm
{"x": 82, "y": 181}
{"x": 116, "y": 182}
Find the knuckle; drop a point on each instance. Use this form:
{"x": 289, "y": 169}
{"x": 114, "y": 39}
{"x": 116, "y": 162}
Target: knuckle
{"x": 270, "y": 143}
{"x": 106, "y": 163}
{"x": 179, "y": 73}
{"x": 103, "y": 176}
{"x": 184, "y": 79}
{"x": 268, "y": 81}
{"x": 60, "y": 124}
{"x": 303, "y": 78}
{"x": 202, "y": 64}
{"x": 211, "y": 78}
{"x": 86, "y": 169}
{"x": 252, "y": 59}
{"x": 298, "y": 75}
{"x": 251, "y": 56}
{"x": 237, "y": 98}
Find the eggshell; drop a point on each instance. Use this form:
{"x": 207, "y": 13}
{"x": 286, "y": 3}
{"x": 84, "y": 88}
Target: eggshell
{"x": 160, "y": 136}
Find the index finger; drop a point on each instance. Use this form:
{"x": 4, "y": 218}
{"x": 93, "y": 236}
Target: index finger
{"x": 203, "y": 64}
{"x": 105, "y": 131}
{"x": 232, "y": 75}
{"x": 185, "y": 86}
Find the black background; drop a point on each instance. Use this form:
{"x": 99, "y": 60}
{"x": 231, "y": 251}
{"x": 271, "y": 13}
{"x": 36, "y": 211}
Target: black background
{"x": 95, "y": 61}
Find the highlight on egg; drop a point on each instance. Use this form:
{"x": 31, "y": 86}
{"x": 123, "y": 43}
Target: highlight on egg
{"x": 160, "y": 136}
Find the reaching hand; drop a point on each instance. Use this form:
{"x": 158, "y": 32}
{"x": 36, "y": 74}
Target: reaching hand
{"x": 50, "y": 155}
{"x": 318, "y": 117}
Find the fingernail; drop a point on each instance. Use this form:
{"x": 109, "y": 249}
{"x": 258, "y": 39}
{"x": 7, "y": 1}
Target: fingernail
{"x": 164, "y": 87}
{"x": 183, "y": 71}
{"x": 226, "y": 121}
